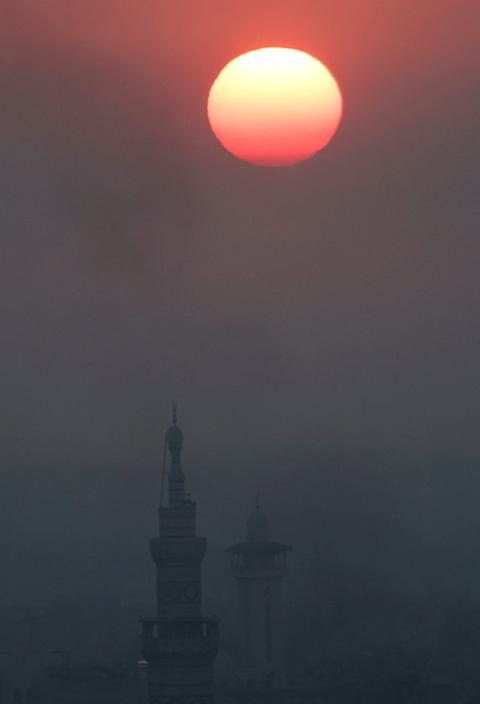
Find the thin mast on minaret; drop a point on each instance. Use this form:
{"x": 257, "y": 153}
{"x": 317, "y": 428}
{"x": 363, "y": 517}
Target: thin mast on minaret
{"x": 176, "y": 477}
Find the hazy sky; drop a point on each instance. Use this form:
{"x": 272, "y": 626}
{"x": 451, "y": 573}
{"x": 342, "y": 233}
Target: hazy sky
{"x": 140, "y": 262}
{"x": 332, "y": 303}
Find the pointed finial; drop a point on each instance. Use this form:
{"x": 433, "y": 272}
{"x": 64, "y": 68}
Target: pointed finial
{"x": 257, "y": 524}
{"x": 174, "y": 435}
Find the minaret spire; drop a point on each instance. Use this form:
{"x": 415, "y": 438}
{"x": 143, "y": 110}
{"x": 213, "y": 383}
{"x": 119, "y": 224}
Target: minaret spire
{"x": 176, "y": 477}
{"x": 257, "y": 524}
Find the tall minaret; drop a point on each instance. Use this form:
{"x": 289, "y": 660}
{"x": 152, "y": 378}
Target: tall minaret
{"x": 259, "y": 567}
{"x": 179, "y": 645}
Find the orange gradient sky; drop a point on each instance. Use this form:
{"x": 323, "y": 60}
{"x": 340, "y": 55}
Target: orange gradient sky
{"x": 125, "y": 222}
{"x": 274, "y": 106}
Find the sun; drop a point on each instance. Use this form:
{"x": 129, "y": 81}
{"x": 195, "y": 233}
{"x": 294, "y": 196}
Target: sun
{"x": 274, "y": 106}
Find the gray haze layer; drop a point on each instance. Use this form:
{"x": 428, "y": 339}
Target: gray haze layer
{"x": 317, "y": 325}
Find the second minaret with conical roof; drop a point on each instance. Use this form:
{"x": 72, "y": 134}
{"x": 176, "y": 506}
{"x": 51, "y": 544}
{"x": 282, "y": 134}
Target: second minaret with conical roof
{"x": 259, "y": 567}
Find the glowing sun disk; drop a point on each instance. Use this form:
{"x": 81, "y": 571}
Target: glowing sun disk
{"x": 274, "y": 106}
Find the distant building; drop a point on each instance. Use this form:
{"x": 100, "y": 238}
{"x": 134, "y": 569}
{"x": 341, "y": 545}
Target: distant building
{"x": 179, "y": 644}
{"x": 259, "y": 566}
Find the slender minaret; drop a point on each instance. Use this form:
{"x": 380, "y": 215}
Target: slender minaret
{"x": 259, "y": 566}
{"x": 179, "y": 645}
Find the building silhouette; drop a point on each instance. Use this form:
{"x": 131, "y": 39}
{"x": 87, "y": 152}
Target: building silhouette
{"x": 259, "y": 566}
{"x": 179, "y": 645}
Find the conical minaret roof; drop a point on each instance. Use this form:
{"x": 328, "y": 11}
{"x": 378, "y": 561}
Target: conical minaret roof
{"x": 257, "y": 524}
{"x": 174, "y": 437}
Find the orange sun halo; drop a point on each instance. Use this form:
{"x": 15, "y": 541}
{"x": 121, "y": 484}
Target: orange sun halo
{"x": 274, "y": 106}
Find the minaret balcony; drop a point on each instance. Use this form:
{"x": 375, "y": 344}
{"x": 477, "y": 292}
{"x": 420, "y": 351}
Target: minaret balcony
{"x": 259, "y": 559}
{"x": 168, "y": 639}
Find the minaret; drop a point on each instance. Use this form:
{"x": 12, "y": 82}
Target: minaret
{"x": 259, "y": 566}
{"x": 179, "y": 645}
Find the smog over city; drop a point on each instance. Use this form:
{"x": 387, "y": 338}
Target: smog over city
{"x": 240, "y": 302}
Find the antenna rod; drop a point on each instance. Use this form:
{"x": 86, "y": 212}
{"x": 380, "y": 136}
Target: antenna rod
{"x": 164, "y": 470}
